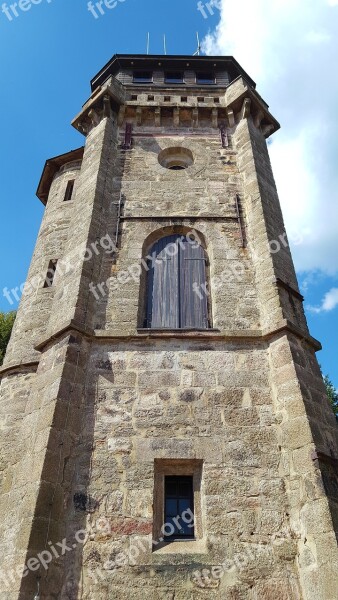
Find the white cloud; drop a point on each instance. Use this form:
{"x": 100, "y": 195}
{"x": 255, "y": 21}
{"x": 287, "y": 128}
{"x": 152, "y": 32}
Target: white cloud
{"x": 288, "y": 47}
{"x": 317, "y": 37}
{"x": 329, "y": 302}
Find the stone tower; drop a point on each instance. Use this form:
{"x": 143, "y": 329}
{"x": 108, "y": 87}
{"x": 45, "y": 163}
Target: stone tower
{"x": 164, "y": 426}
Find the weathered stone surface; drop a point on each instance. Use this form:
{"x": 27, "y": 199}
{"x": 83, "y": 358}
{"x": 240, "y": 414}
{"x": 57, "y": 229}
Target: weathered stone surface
{"x": 83, "y": 425}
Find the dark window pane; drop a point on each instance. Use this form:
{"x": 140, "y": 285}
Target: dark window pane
{"x": 171, "y": 488}
{"x": 205, "y": 78}
{"x": 171, "y": 507}
{"x": 171, "y": 526}
{"x": 185, "y": 489}
{"x": 69, "y": 190}
{"x": 142, "y": 77}
{"x": 186, "y": 529}
{"x": 50, "y": 274}
{"x": 178, "y": 499}
{"x": 183, "y": 505}
{"x": 174, "y": 77}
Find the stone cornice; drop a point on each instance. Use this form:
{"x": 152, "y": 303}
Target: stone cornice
{"x": 20, "y": 367}
{"x": 71, "y": 327}
{"x": 102, "y": 103}
{"x": 214, "y": 335}
{"x": 207, "y": 334}
{"x": 243, "y": 101}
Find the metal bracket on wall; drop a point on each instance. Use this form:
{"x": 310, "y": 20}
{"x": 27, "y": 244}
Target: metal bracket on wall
{"x": 118, "y": 222}
{"x": 128, "y": 137}
{"x": 224, "y": 137}
{"x": 240, "y": 222}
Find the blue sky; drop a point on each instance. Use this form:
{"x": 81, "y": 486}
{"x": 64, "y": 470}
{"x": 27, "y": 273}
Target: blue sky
{"x": 51, "y": 51}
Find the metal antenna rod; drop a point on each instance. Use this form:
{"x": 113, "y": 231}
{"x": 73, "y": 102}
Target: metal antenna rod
{"x": 165, "y": 44}
{"x": 198, "y": 51}
{"x": 148, "y": 42}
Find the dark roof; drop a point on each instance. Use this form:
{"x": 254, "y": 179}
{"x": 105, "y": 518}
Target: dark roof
{"x": 52, "y": 166}
{"x": 145, "y": 61}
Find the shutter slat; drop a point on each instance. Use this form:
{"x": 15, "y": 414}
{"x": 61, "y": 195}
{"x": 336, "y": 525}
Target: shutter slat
{"x": 164, "y": 293}
{"x": 193, "y": 299}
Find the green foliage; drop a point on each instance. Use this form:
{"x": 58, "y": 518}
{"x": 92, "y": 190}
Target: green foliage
{"x": 6, "y": 326}
{"x": 332, "y": 394}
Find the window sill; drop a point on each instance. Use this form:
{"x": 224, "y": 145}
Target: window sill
{"x": 177, "y": 547}
{"x": 185, "y": 331}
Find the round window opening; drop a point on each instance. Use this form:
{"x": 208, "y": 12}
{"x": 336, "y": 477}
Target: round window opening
{"x": 176, "y": 159}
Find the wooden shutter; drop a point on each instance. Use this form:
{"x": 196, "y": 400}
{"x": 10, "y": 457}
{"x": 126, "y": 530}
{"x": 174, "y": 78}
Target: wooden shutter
{"x": 177, "y": 297}
{"x": 163, "y": 291}
{"x": 193, "y": 297}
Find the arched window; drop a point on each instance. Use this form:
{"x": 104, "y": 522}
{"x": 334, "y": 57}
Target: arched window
{"x": 177, "y": 296}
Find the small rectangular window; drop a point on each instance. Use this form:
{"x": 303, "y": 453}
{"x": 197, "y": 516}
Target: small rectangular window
{"x": 142, "y": 77}
{"x": 177, "y": 504}
{"x": 69, "y": 190}
{"x": 151, "y": 98}
{"x": 50, "y": 273}
{"x": 134, "y": 97}
{"x": 179, "y": 498}
{"x": 200, "y": 99}
{"x": 184, "y": 98}
{"x": 205, "y": 78}
{"x": 167, "y": 98}
{"x": 216, "y": 100}
{"x": 174, "y": 77}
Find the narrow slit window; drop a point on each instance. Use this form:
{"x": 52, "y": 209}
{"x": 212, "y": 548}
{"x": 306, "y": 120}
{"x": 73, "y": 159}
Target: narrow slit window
{"x": 69, "y": 190}
{"x": 49, "y": 280}
{"x": 179, "y": 504}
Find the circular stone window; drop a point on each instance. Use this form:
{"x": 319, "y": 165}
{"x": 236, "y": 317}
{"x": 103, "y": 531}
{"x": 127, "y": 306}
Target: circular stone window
{"x": 176, "y": 158}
